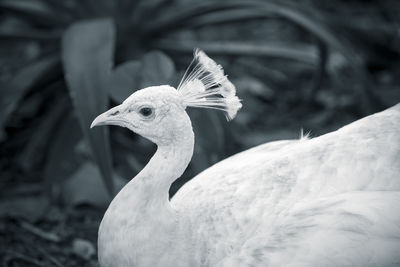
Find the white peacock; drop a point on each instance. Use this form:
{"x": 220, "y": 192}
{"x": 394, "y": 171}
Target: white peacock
{"x": 328, "y": 201}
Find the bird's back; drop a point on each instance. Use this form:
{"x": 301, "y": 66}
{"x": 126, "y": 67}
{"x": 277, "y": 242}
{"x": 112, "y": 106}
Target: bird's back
{"x": 328, "y": 201}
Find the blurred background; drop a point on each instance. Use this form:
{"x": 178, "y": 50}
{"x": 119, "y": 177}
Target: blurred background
{"x": 311, "y": 65}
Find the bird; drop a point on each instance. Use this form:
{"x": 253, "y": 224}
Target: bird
{"x": 331, "y": 200}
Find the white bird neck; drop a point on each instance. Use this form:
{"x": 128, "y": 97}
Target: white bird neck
{"x": 168, "y": 164}
{"x": 140, "y": 226}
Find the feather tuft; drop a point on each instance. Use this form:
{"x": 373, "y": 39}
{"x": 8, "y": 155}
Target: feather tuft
{"x": 204, "y": 85}
{"x": 304, "y": 136}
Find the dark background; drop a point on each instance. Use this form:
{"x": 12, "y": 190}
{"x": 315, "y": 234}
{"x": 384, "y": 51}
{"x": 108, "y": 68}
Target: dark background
{"x": 312, "y": 65}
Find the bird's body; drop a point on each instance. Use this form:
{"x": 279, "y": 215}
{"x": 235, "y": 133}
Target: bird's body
{"x": 328, "y": 201}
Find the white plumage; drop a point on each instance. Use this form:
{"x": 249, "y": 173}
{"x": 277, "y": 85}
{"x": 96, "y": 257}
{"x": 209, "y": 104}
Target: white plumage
{"x": 328, "y": 201}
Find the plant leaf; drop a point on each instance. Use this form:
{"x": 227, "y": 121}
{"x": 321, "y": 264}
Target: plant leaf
{"x": 154, "y": 68}
{"x": 85, "y": 187}
{"x": 62, "y": 160}
{"x": 227, "y": 16}
{"x": 149, "y": 8}
{"x": 124, "y": 80}
{"x": 175, "y": 20}
{"x": 306, "y": 18}
{"x": 233, "y": 11}
{"x": 13, "y": 90}
{"x": 34, "y": 151}
{"x": 87, "y": 53}
{"x": 34, "y": 11}
{"x": 63, "y": 7}
{"x": 158, "y": 69}
{"x": 210, "y": 13}
{"x": 25, "y": 34}
{"x": 302, "y": 53}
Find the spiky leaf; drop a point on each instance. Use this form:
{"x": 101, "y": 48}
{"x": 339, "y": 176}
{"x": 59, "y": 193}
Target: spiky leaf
{"x": 13, "y": 90}
{"x": 87, "y": 54}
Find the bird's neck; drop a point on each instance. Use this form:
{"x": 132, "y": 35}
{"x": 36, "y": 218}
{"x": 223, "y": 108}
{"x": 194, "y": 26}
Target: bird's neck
{"x": 168, "y": 164}
{"x": 141, "y": 214}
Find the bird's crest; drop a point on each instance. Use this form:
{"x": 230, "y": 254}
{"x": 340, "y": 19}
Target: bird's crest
{"x": 204, "y": 85}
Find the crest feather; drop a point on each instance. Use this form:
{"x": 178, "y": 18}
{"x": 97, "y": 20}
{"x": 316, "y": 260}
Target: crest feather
{"x": 204, "y": 85}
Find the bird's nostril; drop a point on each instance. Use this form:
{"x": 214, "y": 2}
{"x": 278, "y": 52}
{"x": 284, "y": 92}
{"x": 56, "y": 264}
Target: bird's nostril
{"x": 114, "y": 113}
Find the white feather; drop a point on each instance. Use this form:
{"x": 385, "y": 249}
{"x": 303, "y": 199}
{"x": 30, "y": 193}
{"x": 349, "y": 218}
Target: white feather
{"x": 205, "y": 85}
{"x": 327, "y": 201}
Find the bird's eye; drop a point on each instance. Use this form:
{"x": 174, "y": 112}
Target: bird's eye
{"x": 146, "y": 111}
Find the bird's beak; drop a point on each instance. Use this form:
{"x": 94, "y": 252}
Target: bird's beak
{"x": 110, "y": 117}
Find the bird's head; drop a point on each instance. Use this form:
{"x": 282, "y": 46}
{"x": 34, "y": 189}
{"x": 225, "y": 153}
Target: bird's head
{"x": 158, "y": 112}
{"x": 153, "y": 112}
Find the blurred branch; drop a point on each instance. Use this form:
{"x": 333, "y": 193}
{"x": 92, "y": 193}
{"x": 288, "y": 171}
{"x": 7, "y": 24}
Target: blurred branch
{"x": 12, "y": 256}
{"x": 49, "y": 236}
